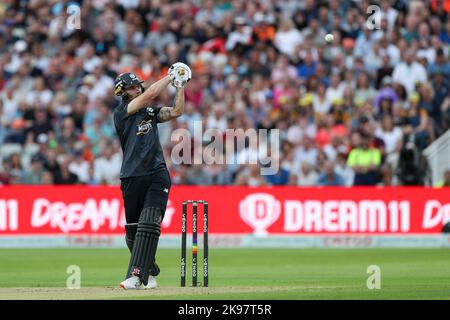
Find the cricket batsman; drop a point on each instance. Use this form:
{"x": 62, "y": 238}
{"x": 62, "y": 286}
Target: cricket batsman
{"x": 145, "y": 180}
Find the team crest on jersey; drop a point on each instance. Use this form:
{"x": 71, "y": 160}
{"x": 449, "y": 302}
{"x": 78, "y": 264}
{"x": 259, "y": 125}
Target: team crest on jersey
{"x": 144, "y": 127}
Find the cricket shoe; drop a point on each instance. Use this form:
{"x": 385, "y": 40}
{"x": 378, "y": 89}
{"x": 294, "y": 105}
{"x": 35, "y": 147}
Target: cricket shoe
{"x": 151, "y": 284}
{"x": 132, "y": 283}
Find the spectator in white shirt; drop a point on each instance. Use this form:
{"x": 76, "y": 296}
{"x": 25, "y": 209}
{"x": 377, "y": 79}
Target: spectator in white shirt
{"x": 40, "y": 93}
{"x": 302, "y": 129}
{"x": 321, "y": 104}
{"x": 287, "y": 38}
{"x": 409, "y": 72}
{"x": 80, "y": 167}
{"x": 392, "y": 138}
{"x": 217, "y": 118}
{"x": 390, "y": 49}
{"x": 343, "y": 170}
{"x": 335, "y": 91}
{"x": 103, "y": 84}
{"x": 283, "y": 69}
{"x": 305, "y": 176}
{"x": 107, "y": 167}
{"x": 250, "y": 175}
{"x": 242, "y": 35}
{"x": 388, "y": 12}
{"x": 10, "y": 99}
{"x": 363, "y": 43}
{"x": 373, "y": 59}
{"x": 306, "y": 153}
{"x": 208, "y": 13}
{"x": 335, "y": 146}
{"x": 90, "y": 59}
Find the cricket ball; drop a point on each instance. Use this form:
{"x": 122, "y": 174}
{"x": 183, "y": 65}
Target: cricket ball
{"x": 329, "y": 38}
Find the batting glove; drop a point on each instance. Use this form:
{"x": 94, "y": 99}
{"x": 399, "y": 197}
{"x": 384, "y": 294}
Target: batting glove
{"x": 179, "y": 74}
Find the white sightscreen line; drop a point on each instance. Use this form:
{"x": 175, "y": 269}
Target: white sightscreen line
{"x": 236, "y": 241}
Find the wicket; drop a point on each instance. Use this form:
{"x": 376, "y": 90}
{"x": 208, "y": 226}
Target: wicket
{"x": 184, "y": 218}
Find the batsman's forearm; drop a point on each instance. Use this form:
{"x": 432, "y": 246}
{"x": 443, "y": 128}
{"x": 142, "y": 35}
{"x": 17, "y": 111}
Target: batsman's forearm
{"x": 155, "y": 89}
{"x": 178, "y": 109}
{"x": 148, "y": 96}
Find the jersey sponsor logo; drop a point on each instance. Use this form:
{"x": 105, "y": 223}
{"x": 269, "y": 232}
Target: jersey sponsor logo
{"x": 150, "y": 111}
{"x": 144, "y": 127}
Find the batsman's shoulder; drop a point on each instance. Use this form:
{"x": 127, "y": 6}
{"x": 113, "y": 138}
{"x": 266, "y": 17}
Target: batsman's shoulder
{"x": 120, "y": 112}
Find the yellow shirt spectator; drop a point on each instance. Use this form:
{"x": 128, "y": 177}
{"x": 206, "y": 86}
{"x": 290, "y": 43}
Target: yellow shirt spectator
{"x": 360, "y": 157}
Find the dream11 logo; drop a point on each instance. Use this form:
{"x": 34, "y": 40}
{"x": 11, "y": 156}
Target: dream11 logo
{"x": 260, "y": 211}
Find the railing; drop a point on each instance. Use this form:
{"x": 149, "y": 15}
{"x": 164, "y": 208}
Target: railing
{"x": 438, "y": 156}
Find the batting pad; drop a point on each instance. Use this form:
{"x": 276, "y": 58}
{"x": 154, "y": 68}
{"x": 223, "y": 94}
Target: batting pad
{"x": 130, "y": 235}
{"x": 146, "y": 243}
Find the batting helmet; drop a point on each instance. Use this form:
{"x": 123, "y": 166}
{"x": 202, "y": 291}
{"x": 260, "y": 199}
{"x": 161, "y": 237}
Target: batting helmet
{"x": 124, "y": 81}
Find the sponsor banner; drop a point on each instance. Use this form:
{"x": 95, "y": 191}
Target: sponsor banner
{"x": 51, "y": 210}
{"x": 235, "y": 241}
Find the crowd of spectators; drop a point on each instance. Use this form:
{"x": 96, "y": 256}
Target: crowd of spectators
{"x": 346, "y": 110}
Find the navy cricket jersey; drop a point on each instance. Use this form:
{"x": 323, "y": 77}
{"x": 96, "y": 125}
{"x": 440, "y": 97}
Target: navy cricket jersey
{"x": 138, "y": 135}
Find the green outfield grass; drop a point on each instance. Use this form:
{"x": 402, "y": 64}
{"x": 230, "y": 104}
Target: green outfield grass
{"x": 234, "y": 274}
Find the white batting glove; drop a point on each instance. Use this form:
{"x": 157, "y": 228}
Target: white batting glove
{"x": 179, "y": 74}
